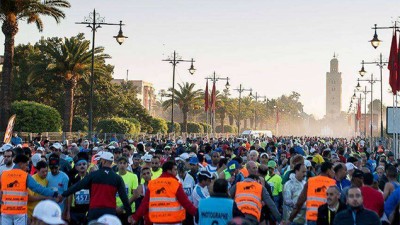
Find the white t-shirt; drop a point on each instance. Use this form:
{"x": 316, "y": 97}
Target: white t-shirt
{"x": 5, "y": 168}
{"x": 199, "y": 193}
{"x": 187, "y": 184}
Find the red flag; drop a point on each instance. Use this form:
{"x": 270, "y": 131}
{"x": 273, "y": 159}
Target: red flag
{"x": 358, "y": 110}
{"x": 206, "y": 103}
{"x": 213, "y": 98}
{"x": 393, "y": 64}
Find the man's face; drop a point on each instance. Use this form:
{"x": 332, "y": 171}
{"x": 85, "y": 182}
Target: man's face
{"x": 379, "y": 172}
{"x": 343, "y": 173}
{"x": 56, "y": 151}
{"x": 54, "y": 170}
{"x": 122, "y": 165}
{"x": 155, "y": 164}
{"x": 215, "y": 158}
{"x": 253, "y": 156}
{"x": 174, "y": 171}
{"x": 354, "y": 197}
{"x": 301, "y": 173}
{"x": 331, "y": 173}
{"x": 253, "y": 168}
{"x": 43, "y": 173}
{"x": 117, "y": 155}
{"x": 136, "y": 161}
{"x": 24, "y": 166}
{"x": 264, "y": 159}
{"x": 125, "y": 151}
{"x": 8, "y": 158}
{"x": 81, "y": 166}
{"x": 193, "y": 167}
{"x": 332, "y": 196}
{"x": 146, "y": 174}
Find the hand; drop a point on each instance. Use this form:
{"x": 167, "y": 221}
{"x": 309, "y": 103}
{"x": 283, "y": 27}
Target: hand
{"x": 119, "y": 210}
{"x": 59, "y": 198}
{"x": 131, "y": 220}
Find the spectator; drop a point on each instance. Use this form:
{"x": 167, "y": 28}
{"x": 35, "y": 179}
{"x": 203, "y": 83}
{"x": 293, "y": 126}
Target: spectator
{"x": 47, "y": 213}
{"x": 333, "y": 205}
{"x": 373, "y": 199}
{"x": 291, "y": 193}
{"x": 356, "y": 214}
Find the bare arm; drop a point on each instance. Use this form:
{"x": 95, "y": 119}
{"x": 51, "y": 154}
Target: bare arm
{"x": 387, "y": 190}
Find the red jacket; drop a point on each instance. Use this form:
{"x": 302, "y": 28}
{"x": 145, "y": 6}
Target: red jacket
{"x": 373, "y": 200}
{"x": 180, "y": 195}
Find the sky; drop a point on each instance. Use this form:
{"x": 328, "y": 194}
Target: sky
{"x": 273, "y": 47}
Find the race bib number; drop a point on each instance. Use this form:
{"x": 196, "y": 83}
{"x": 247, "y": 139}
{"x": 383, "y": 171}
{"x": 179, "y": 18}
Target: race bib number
{"x": 82, "y": 197}
{"x": 188, "y": 191}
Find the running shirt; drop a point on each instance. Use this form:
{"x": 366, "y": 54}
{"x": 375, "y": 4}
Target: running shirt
{"x": 199, "y": 193}
{"x": 212, "y": 170}
{"x": 188, "y": 185}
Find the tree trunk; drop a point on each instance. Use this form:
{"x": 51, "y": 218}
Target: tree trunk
{"x": 231, "y": 120}
{"x": 185, "y": 120}
{"x": 69, "y": 104}
{"x": 222, "y": 117}
{"x": 10, "y": 29}
{"x": 245, "y": 124}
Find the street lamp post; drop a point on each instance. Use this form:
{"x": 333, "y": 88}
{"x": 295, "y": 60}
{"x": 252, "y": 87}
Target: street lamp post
{"x": 94, "y": 21}
{"x": 255, "y": 110}
{"x": 174, "y": 60}
{"x": 240, "y": 90}
{"x": 362, "y": 72}
{"x": 214, "y": 79}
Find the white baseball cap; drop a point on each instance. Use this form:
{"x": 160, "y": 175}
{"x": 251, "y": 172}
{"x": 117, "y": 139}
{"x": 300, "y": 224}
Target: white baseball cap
{"x": 107, "y": 156}
{"x": 36, "y": 158}
{"x": 40, "y": 149}
{"x": 57, "y": 145}
{"x": 6, "y": 147}
{"x": 49, "y": 212}
{"x": 106, "y": 219}
{"x": 179, "y": 142}
{"x": 350, "y": 166}
{"x": 147, "y": 158}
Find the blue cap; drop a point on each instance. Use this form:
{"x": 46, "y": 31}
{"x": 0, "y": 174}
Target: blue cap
{"x": 193, "y": 160}
{"x": 233, "y": 165}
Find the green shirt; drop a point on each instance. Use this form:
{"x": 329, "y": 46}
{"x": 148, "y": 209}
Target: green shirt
{"x": 131, "y": 183}
{"x": 276, "y": 184}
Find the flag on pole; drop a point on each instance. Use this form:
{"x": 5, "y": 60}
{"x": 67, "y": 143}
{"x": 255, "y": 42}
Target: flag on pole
{"x": 277, "y": 116}
{"x": 393, "y": 64}
{"x": 206, "y": 103}
{"x": 359, "y": 110}
{"x": 213, "y": 98}
{"x": 9, "y": 130}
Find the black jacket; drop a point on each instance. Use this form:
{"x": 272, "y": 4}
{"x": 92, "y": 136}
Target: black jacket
{"x": 363, "y": 217}
{"x": 324, "y": 218}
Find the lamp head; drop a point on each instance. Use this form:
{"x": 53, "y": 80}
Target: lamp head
{"x": 192, "y": 69}
{"x": 120, "y": 37}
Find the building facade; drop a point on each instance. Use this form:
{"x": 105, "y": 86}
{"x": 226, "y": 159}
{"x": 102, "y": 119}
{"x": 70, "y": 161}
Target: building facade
{"x": 145, "y": 93}
{"x": 333, "y": 90}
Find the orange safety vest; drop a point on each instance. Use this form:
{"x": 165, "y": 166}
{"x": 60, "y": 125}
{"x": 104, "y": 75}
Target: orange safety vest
{"x": 244, "y": 171}
{"x": 316, "y": 194}
{"x": 248, "y": 198}
{"x": 14, "y": 192}
{"x": 163, "y": 205}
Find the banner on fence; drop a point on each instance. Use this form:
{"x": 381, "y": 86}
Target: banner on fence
{"x": 9, "y": 130}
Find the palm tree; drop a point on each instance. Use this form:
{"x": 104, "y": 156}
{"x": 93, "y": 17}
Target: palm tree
{"x": 12, "y": 11}
{"x": 186, "y": 98}
{"x": 68, "y": 60}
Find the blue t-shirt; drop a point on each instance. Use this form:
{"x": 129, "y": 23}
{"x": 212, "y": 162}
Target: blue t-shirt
{"x": 58, "y": 183}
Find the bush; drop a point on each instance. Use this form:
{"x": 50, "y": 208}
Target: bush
{"x": 116, "y": 125}
{"x": 159, "y": 125}
{"x": 137, "y": 124}
{"x": 205, "y": 126}
{"x": 79, "y": 124}
{"x": 177, "y": 127}
{"x": 35, "y": 117}
{"x": 227, "y": 129}
{"x": 193, "y": 128}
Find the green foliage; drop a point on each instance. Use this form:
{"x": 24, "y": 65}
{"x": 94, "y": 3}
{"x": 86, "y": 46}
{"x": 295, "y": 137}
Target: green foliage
{"x": 79, "y": 124}
{"x": 115, "y": 125}
{"x": 35, "y": 117}
{"x": 136, "y": 122}
{"x": 177, "y": 127}
{"x": 159, "y": 125}
{"x": 193, "y": 127}
{"x": 205, "y": 126}
{"x": 227, "y": 129}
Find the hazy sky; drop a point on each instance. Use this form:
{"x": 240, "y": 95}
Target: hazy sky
{"x": 274, "y": 47}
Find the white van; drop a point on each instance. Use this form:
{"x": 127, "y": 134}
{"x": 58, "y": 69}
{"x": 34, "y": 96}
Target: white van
{"x": 254, "y": 134}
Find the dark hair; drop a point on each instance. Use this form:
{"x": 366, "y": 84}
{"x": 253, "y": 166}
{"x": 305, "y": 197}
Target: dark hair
{"x": 220, "y": 186}
{"x": 238, "y": 159}
{"x": 391, "y": 171}
{"x": 326, "y": 166}
{"x": 222, "y": 162}
{"x": 263, "y": 171}
{"x": 368, "y": 178}
{"x": 41, "y": 165}
{"x": 145, "y": 168}
{"x": 155, "y": 157}
{"x": 12, "y": 152}
{"x": 169, "y": 165}
{"x": 21, "y": 158}
{"x": 127, "y": 147}
{"x": 18, "y": 151}
{"x": 352, "y": 159}
{"x": 297, "y": 166}
{"x": 351, "y": 187}
{"x": 27, "y": 151}
{"x": 338, "y": 167}
{"x": 254, "y": 177}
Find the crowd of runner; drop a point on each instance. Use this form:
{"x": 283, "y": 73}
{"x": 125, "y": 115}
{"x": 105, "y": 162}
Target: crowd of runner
{"x": 278, "y": 180}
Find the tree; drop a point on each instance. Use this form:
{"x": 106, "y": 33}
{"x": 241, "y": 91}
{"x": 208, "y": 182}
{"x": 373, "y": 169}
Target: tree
{"x": 68, "y": 59}
{"x": 10, "y": 13}
{"x": 186, "y": 98}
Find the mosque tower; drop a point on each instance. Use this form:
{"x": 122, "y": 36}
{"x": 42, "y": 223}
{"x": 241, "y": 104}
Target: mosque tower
{"x": 333, "y": 90}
